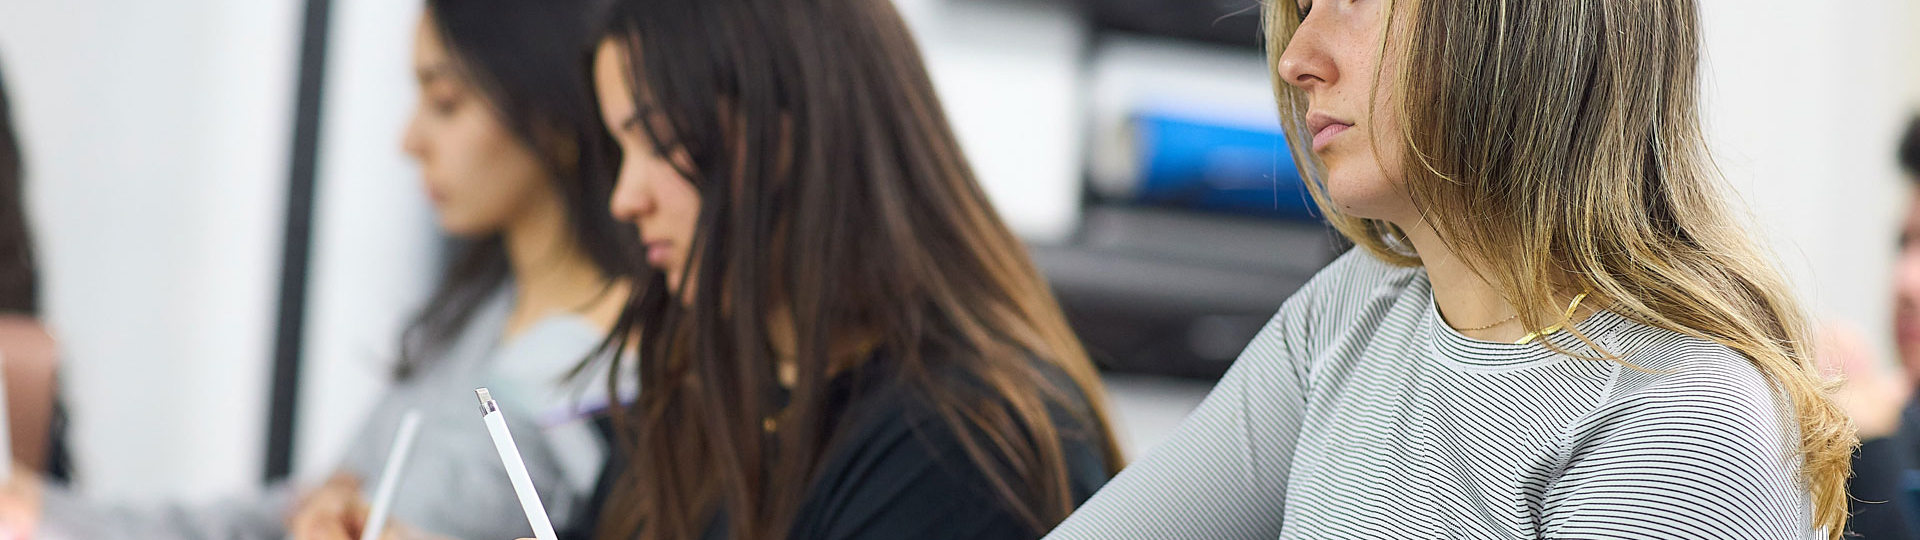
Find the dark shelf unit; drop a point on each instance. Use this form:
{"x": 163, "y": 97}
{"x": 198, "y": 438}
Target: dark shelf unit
{"x": 1176, "y": 293}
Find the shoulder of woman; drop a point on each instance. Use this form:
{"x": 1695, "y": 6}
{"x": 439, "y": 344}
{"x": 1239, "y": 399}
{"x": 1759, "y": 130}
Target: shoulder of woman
{"x": 1339, "y": 298}
{"x": 26, "y": 343}
{"x": 899, "y": 407}
{"x": 1658, "y": 361}
{"x": 1695, "y": 390}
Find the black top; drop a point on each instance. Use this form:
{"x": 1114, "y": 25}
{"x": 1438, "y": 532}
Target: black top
{"x": 901, "y": 472}
{"x": 1877, "y": 498}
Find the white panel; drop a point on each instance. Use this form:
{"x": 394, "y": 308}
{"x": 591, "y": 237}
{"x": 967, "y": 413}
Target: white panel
{"x": 158, "y": 135}
{"x": 1804, "y": 103}
{"x": 1009, "y": 75}
{"x": 375, "y": 250}
{"x": 238, "y": 231}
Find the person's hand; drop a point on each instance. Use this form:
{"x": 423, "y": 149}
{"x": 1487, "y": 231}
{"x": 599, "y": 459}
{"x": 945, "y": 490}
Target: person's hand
{"x": 20, "y": 504}
{"x": 395, "y": 530}
{"x": 400, "y": 531}
{"x": 1871, "y": 395}
{"x": 333, "y": 511}
{"x": 337, "y": 485}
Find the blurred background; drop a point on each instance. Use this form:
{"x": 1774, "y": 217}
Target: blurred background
{"x": 231, "y": 237}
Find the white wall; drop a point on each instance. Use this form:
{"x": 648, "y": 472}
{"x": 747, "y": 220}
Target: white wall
{"x": 158, "y": 139}
{"x": 1009, "y": 76}
{"x": 375, "y": 251}
{"x": 1804, "y": 104}
{"x": 157, "y": 134}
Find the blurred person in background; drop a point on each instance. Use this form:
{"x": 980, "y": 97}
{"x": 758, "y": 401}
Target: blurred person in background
{"x": 1555, "y": 326}
{"x": 512, "y": 153}
{"x": 1878, "y": 400}
{"x": 28, "y": 353}
{"x": 838, "y": 337}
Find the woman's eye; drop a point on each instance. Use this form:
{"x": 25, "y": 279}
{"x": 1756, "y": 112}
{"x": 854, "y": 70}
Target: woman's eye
{"x": 443, "y": 107}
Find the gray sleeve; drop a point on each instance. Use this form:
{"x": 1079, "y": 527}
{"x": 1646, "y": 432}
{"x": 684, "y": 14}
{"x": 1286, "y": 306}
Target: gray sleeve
{"x": 1223, "y": 473}
{"x": 66, "y": 515}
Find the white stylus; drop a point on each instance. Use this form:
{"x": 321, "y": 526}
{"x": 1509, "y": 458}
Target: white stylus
{"x": 516, "y": 469}
{"x": 390, "y": 475}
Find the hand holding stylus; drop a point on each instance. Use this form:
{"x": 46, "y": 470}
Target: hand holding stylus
{"x": 20, "y": 504}
{"x": 332, "y": 511}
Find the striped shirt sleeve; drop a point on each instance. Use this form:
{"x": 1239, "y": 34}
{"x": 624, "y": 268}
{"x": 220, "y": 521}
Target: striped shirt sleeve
{"x": 1696, "y": 454}
{"x": 1223, "y": 473}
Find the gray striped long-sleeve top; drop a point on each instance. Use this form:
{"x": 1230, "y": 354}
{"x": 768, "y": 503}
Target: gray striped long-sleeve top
{"x": 454, "y": 485}
{"x": 1357, "y": 413}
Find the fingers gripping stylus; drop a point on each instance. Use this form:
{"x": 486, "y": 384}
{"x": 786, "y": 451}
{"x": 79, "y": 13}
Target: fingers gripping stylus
{"x": 516, "y": 469}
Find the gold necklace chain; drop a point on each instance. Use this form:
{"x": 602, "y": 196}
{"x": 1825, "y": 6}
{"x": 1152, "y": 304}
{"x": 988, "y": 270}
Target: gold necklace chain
{"x": 1564, "y": 319}
{"x": 1495, "y": 323}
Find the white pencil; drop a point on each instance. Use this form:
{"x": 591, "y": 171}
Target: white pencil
{"x": 516, "y": 469}
{"x": 390, "y": 475}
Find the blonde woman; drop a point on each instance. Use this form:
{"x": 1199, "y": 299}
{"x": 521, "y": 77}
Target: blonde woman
{"x": 1553, "y": 327}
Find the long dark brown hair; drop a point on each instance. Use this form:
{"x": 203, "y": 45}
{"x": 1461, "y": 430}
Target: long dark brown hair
{"x": 833, "y": 192}
{"x": 19, "y": 284}
{"x": 531, "y": 59}
{"x": 1910, "y": 149}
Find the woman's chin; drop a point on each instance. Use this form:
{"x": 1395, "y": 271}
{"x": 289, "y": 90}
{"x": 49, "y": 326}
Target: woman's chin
{"x": 462, "y": 228}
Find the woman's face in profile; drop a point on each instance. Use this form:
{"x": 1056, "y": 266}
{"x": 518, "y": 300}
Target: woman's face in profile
{"x": 480, "y": 177}
{"x": 1335, "y": 59}
{"x": 650, "y": 193}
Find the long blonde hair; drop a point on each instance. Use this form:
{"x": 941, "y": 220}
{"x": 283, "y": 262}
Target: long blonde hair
{"x": 1568, "y": 131}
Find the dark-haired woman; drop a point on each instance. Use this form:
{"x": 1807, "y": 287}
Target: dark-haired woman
{"x": 28, "y": 352}
{"x": 839, "y": 338}
{"x": 509, "y": 141}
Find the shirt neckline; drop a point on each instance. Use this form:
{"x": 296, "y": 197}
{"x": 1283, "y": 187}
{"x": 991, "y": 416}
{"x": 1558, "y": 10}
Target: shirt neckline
{"x": 1465, "y": 352}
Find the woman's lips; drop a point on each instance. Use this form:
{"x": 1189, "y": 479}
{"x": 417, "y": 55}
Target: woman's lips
{"x": 658, "y": 253}
{"x": 1324, "y": 128}
{"x": 1325, "y": 136}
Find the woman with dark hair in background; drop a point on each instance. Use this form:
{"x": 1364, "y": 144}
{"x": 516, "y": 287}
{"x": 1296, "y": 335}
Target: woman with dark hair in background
{"x": 28, "y": 353}
{"x": 508, "y": 136}
{"x": 838, "y": 337}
